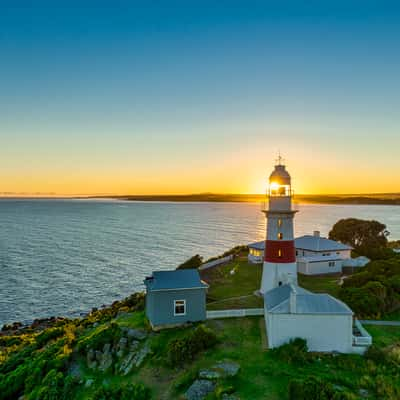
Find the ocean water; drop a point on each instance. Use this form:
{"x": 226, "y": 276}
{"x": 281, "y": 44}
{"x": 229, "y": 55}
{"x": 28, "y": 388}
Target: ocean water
{"x": 63, "y": 257}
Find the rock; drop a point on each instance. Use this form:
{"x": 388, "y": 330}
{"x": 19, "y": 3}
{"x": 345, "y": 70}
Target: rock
{"x": 98, "y": 355}
{"x": 89, "y": 383}
{"x": 363, "y": 393}
{"x": 200, "y": 389}
{"x": 141, "y": 355}
{"x": 209, "y": 374}
{"x": 107, "y": 348}
{"x": 138, "y": 334}
{"x": 127, "y": 363}
{"x": 105, "y": 362}
{"x": 95, "y": 325}
{"x": 75, "y": 370}
{"x": 229, "y": 368}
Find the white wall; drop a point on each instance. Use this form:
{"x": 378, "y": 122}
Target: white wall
{"x": 343, "y": 254}
{"x": 273, "y": 273}
{"x": 320, "y": 267}
{"x": 323, "y": 332}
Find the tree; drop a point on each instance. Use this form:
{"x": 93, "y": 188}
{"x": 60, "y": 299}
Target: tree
{"x": 361, "y": 234}
{"x": 192, "y": 263}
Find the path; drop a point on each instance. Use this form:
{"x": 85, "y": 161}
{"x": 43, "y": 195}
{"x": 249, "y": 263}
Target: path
{"x": 378, "y": 322}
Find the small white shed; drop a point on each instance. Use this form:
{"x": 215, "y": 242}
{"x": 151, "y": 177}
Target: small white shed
{"x": 317, "y": 265}
{"x": 324, "y": 321}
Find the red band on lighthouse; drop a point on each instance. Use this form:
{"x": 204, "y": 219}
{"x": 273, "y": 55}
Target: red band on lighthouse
{"x": 280, "y": 251}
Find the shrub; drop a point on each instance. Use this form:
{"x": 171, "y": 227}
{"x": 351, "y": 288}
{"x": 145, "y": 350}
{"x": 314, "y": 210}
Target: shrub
{"x": 47, "y": 335}
{"x": 129, "y": 392}
{"x": 315, "y": 389}
{"x": 185, "y": 349}
{"x": 192, "y": 263}
{"x": 295, "y": 351}
{"x": 107, "y": 334}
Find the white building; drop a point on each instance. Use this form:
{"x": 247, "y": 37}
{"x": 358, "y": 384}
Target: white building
{"x": 314, "y": 254}
{"x": 325, "y": 322}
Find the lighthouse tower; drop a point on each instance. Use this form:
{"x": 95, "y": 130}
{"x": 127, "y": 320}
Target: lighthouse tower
{"x": 280, "y": 255}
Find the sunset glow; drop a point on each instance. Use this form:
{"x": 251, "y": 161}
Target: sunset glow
{"x": 173, "y": 102}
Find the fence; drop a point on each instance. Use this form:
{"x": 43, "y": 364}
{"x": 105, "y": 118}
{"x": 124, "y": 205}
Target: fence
{"x": 214, "y": 263}
{"x": 244, "y": 312}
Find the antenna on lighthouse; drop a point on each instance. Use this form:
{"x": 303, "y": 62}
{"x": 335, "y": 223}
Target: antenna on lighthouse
{"x": 279, "y": 160}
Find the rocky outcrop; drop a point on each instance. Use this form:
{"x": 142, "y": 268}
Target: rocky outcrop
{"x": 200, "y": 389}
{"x": 209, "y": 378}
{"x": 127, "y": 353}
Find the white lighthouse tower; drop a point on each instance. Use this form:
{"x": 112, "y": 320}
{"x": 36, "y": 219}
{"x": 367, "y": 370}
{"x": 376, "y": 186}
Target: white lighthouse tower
{"x": 280, "y": 254}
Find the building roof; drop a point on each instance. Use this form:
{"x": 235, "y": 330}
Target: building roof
{"x": 175, "y": 280}
{"x": 276, "y": 296}
{"x": 278, "y": 301}
{"x": 319, "y": 258}
{"x": 318, "y": 243}
{"x": 257, "y": 245}
{"x": 309, "y": 242}
{"x": 360, "y": 261}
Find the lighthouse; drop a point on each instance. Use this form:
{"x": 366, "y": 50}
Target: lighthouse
{"x": 279, "y": 266}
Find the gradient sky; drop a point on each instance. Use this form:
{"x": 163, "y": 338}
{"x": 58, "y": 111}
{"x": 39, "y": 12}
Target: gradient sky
{"x": 184, "y": 97}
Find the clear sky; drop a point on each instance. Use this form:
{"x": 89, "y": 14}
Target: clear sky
{"x": 188, "y": 97}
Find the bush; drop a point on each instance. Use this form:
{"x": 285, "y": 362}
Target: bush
{"x": 129, "y": 392}
{"x": 185, "y": 349}
{"x": 294, "y": 352}
{"x": 47, "y": 335}
{"x": 315, "y": 389}
{"x": 106, "y": 334}
{"x": 192, "y": 263}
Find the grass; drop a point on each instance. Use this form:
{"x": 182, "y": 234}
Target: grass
{"x": 384, "y": 335}
{"x": 320, "y": 284}
{"x": 233, "y": 291}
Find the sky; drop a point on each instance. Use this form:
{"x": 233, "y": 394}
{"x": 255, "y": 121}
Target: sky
{"x": 157, "y": 97}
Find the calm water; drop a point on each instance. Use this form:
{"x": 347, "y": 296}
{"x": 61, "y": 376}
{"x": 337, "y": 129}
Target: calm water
{"x": 62, "y": 257}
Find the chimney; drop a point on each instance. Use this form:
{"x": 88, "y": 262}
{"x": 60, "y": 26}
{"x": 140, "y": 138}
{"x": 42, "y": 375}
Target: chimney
{"x": 317, "y": 233}
{"x": 292, "y": 299}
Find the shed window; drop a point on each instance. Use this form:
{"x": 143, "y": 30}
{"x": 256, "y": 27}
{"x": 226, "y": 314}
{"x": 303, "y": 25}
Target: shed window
{"x": 280, "y": 236}
{"x": 331, "y": 263}
{"x": 179, "y": 307}
{"x": 279, "y": 253}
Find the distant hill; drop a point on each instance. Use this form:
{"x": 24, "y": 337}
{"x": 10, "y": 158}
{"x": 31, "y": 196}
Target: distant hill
{"x": 378, "y": 199}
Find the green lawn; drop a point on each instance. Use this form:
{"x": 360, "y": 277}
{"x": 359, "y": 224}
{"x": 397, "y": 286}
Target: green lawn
{"x": 232, "y": 291}
{"x": 320, "y": 284}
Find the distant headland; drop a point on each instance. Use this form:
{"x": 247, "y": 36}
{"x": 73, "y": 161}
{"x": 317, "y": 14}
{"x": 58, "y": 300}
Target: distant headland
{"x": 356, "y": 199}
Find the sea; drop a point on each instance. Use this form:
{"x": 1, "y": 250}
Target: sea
{"x": 61, "y": 257}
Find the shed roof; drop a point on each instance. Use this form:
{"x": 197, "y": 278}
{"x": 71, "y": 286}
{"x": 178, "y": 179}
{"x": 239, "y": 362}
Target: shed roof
{"x": 257, "y": 245}
{"x": 309, "y": 242}
{"x": 276, "y": 296}
{"x": 317, "y": 243}
{"x": 175, "y": 280}
{"x": 277, "y": 301}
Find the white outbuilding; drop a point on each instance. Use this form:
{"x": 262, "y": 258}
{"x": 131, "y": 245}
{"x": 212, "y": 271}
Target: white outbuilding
{"x": 315, "y": 255}
{"x": 323, "y": 321}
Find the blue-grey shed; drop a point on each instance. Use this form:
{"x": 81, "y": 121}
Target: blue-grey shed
{"x": 175, "y": 297}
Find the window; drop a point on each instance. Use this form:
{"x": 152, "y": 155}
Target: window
{"x": 279, "y": 223}
{"x": 297, "y": 253}
{"x": 280, "y": 236}
{"x": 280, "y": 283}
{"x": 279, "y": 253}
{"x": 331, "y": 263}
{"x": 179, "y": 307}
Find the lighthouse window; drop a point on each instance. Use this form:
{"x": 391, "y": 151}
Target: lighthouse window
{"x": 280, "y": 236}
{"x": 279, "y": 222}
{"x": 279, "y": 253}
